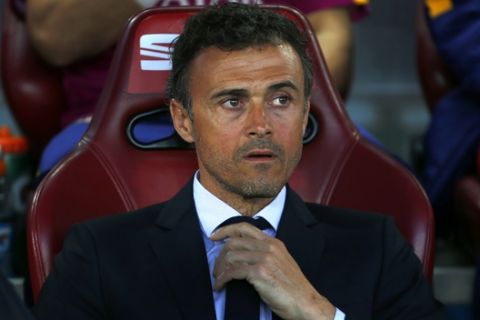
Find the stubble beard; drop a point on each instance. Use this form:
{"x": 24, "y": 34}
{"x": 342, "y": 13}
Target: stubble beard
{"x": 262, "y": 186}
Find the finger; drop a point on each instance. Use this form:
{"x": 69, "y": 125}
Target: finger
{"x": 238, "y": 230}
{"x": 235, "y": 259}
{"x": 234, "y": 272}
{"x": 237, "y": 248}
{"x": 247, "y": 244}
{"x": 224, "y": 259}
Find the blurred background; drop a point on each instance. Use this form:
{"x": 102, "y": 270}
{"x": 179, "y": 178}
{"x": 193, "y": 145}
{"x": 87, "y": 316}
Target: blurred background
{"x": 386, "y": 99}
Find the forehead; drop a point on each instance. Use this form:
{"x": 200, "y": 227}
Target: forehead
{"x": 246, "y": 67}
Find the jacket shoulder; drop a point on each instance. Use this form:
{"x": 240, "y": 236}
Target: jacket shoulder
{"x": 129, "y": 219}
{"x": 344, "y": 217}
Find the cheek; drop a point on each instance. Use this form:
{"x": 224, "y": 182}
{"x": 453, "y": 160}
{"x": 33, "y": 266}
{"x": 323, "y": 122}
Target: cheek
{"x": 292, "y": 142}
{"x": 215, "y": 143}
{"x": 290, "y": 130}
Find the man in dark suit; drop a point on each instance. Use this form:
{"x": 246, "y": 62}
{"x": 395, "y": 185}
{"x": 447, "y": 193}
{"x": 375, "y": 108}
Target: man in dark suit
{"x": 240, "y": 85}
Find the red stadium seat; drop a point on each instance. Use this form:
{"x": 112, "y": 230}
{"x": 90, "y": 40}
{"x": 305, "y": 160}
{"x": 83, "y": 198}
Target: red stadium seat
{"x": 33, "y": 89}
{"x": 108, "y": 174}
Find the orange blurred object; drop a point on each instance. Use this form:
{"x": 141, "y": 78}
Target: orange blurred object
{"x": 10, "y": 143}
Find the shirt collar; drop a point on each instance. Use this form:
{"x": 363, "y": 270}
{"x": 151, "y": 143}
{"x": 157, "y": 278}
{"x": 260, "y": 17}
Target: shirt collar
{"x": 212, "y": 211}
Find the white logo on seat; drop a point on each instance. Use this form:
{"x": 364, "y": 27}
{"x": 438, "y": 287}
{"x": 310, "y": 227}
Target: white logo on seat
{"x": 156, "y": 46}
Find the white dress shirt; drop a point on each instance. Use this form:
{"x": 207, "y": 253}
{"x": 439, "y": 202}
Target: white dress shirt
{"x": 212, "y": 212}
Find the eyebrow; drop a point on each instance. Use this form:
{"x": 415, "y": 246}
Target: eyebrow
{"x": 283, "y": 84}
{"x": 239, "y": 92}
{"x": 231, "y": 92}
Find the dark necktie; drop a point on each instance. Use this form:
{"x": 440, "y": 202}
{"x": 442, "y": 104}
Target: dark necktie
{"x": 242, "y": 301}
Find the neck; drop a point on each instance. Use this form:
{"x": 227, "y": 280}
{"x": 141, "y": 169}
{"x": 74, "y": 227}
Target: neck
{"x": 245, "y": 205}
{"x": 249, "y": 207}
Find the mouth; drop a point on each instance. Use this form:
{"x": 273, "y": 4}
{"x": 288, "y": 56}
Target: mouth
{"x": 260, "y": 155}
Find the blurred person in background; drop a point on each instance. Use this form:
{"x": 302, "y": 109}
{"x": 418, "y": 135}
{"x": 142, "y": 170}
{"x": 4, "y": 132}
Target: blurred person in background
{"x": 452, "y": 139}
{"x": 453, "y": 134}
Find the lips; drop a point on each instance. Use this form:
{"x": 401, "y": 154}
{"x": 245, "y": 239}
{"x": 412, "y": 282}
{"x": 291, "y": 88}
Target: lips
{"x": 260, "y": 155}
{"x": 261, "y": 150}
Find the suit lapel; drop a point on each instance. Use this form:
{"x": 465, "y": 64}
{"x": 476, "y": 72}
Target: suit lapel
{"x": 178, "y": 244}
{"x": 303, "y": 235}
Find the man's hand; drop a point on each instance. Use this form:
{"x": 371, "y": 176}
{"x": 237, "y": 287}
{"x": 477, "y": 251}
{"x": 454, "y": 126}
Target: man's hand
{"x": 265, "y": 263}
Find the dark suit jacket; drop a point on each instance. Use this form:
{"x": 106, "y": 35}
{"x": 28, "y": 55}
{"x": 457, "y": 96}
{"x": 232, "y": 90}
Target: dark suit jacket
{"x": 11, "y": 306}
{"x": 151, "y": 264}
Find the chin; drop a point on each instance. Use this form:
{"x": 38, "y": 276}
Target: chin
{"x": 260, "y": 190}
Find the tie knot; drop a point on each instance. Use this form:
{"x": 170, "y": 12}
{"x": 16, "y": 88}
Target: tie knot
{"x": 260, "y": 222}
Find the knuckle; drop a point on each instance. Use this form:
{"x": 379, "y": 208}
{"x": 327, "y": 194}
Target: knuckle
{"x": 277, "y": 245}
{"x": 262, "y": 271}
{"x": 270, "y": 246}
{"x": 229, "y": 256}
{"x": 277, "y": 242}
{"x": 269, "y": 259}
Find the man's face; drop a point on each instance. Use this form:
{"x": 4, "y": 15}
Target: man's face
{"x": 249, "y": 115}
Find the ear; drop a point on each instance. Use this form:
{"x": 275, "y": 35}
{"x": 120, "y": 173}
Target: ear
{"x": 181, "y": 121}
{"x": 305, "y": 116}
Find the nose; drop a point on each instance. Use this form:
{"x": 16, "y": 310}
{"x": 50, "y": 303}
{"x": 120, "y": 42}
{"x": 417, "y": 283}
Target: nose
{"x": 259, "y": 122}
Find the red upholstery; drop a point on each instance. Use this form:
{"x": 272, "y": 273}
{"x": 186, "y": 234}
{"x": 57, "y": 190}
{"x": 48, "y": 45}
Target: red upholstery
{"x": 33, "y": 90}
{"x": 107, "y": 174}
{"x": 435, "y": 78}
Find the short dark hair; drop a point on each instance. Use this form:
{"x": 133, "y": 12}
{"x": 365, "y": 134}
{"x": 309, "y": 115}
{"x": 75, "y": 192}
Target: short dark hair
{"x": 229, "y": 27}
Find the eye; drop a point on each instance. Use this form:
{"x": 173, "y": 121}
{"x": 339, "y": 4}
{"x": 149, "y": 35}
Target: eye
{"x": 232, "y": 103}
{"x": 281, "y": 101}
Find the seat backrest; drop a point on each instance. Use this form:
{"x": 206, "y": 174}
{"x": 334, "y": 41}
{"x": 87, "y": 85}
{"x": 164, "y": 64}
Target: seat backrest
{"x": 108, "y": 174}
{"x": 435, "y": 77}
{"x": 33, "y": 89}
